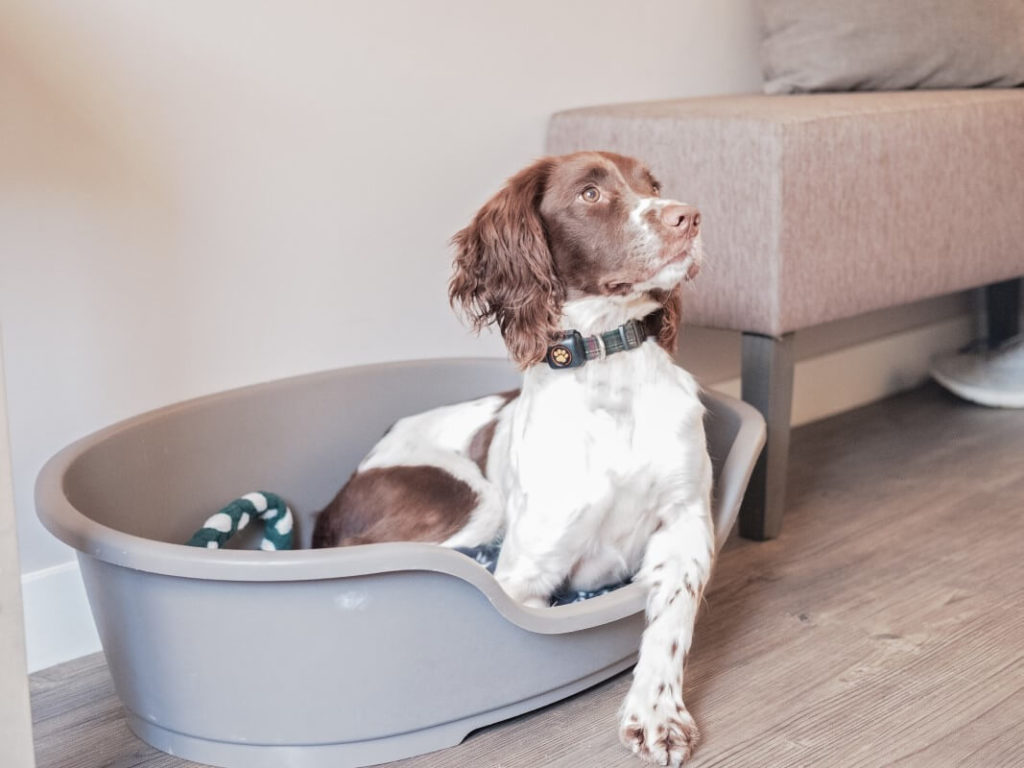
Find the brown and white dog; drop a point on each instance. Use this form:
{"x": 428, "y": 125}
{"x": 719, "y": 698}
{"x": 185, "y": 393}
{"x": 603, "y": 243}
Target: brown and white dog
{"x": 590, "y": 473}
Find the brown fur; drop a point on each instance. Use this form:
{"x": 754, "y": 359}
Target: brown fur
{"x": 503, "y": 268}
{"x": 480, "y": 445}
{"x": 532, "y": 246}
{"x": 405, "y": 503}
{"x": 671, "y": 306}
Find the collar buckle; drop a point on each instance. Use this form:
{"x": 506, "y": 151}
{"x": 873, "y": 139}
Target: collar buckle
{"x": 569, "y": 352}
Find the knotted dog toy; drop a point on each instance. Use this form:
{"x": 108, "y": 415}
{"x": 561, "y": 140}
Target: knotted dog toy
{"x": 268, "y": 507}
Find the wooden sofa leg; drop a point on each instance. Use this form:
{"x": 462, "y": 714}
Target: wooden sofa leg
{"x": 1002, "y": 309}
{"x": 767, "y": 384}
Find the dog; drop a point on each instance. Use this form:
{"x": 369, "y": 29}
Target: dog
{"x": 597, "y": 469}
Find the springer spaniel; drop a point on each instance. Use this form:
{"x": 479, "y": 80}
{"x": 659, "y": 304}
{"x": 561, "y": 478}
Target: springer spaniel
{"x": 597, "y": 469}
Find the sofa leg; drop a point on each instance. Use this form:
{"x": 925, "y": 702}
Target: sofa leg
{"x": 768, "y": 386}
{"x": 1002, "y": 310}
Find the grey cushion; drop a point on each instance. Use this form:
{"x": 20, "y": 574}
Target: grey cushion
{"x": 843, "y": 45}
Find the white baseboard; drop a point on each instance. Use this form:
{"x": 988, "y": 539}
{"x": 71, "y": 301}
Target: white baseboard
{"x": 58, "y": 624}
{"x": 59, "y": 627}
{"x": 854, "y": 376}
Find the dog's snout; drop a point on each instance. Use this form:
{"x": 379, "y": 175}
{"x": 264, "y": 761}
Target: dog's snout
{"x": 684, "y": 219}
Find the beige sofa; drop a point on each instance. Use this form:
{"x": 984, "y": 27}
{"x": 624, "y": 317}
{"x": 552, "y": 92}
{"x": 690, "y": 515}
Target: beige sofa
{"x": 820, "y": 207}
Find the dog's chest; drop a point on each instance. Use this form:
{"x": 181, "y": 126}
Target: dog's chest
{"x": 606, "y": 458}
{"x": 621, "y": 433}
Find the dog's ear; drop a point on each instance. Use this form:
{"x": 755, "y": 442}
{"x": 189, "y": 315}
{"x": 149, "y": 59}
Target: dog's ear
{"x": 503, "y": 269}
{"x": 671, "y": 303}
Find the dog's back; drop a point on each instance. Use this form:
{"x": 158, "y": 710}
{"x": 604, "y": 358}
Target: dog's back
{"x": 425, "y": 480}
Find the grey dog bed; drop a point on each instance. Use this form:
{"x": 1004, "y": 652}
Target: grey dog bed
{"x": 330, "y": 657}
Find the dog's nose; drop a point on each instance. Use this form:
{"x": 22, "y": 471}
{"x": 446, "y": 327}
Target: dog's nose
{"x": 684, "y": 219}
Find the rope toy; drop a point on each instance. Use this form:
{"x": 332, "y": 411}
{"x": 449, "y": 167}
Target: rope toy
{"x": 268, "y": 507}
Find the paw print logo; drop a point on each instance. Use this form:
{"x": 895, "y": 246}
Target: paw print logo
{"x": 561, "y": 356}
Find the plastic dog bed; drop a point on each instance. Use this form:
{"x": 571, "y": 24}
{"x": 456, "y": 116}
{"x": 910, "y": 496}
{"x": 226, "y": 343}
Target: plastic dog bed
{"x": 343, "y": 657}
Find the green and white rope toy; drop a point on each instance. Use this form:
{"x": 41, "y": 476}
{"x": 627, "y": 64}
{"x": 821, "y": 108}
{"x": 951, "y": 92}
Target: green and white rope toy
{"x": 268, "y": 507}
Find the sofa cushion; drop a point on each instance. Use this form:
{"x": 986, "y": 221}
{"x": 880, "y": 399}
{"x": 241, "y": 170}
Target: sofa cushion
{"x": 824, "y": 206}
{"x": 838, "y": 45}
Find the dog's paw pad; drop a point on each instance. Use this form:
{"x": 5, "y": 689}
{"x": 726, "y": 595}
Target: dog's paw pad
{"x": 661, "y": 738}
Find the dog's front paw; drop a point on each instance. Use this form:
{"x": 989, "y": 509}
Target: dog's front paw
{"x": 658, "y": 731}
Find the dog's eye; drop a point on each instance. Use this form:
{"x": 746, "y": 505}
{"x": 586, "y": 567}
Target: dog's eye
{"x": 591, "y": 194}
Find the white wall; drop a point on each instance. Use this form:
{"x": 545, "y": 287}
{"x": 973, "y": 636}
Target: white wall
{"x": 199, "y": 195}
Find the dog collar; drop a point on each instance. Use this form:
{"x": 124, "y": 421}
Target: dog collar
{"x": 574, "y": 349}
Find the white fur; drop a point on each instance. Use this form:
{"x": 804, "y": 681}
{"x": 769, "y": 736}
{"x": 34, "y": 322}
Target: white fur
{"x": 643, "y": 236}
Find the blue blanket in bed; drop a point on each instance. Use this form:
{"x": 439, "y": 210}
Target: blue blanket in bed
{"x": 487, "y": 556}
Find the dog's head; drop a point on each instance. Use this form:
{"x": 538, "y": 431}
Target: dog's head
{"x": 590, "y": 224}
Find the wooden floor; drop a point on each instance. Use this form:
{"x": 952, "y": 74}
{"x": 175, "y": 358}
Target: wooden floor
{"x": 884, "y": 627}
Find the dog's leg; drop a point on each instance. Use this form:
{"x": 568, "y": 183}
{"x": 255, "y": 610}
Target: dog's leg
{"x": 537, "y": 554}
{"x": 531, "y": 578}
{"x": 654, "y": 722}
